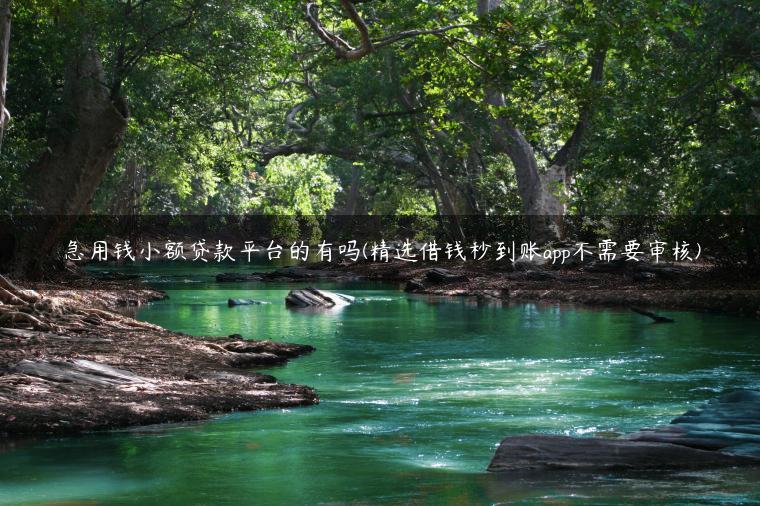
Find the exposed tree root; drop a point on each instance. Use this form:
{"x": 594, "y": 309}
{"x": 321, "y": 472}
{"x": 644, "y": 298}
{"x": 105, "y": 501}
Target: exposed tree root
{"x": 27, "y": 309}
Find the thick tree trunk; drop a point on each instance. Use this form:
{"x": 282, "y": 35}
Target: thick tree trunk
{"x": 539, "y": 192}
{"x": 5, "y": 40}
{"x": 81, "y": 144}
{"x": 353, "y": 194}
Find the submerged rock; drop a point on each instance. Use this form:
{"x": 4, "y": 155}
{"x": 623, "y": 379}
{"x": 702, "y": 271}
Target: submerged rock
{"x": 311, "y": 297}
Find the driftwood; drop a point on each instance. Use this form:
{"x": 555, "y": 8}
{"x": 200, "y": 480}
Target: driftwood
{"x": 78, "y": 371}
{"x": 656, "y": 318}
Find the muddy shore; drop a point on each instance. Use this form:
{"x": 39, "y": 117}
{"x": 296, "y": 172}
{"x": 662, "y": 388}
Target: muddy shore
{"x": 91, "y": 368}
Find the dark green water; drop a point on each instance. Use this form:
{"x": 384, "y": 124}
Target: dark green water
{"x": 416, "y": 394}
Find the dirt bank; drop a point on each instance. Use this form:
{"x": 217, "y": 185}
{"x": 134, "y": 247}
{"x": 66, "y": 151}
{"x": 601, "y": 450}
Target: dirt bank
{"x": 70, "y": 363}
{"x": 683, "y": 286}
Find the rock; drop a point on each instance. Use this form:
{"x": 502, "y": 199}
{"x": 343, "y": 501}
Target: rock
{"x": 413, "y": 285}
{"x": 539, "y": 276}
{"x": 723, "y": 432}
{"x": 311, "y": 297}
{"x": 729, "y": 424}
{"x": 444, "y": 276}
{"x": 660, "y": 271}
{"x": 543, "y": 452}
{"x": 644, "y": 276}
{"x": 282, "y": 349}
{"x": 526, "y": 264}
{"x": 245, "y": 302}
{"x": 614, "y": 266}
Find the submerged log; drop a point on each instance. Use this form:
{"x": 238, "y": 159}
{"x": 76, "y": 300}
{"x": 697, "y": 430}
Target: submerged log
{"x": 311, "y": 297}
{"x": 656, "y": 318}
{"x": 519, "y": 453}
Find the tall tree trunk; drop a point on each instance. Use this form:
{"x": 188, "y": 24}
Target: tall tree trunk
{"x": 352, "y": 197}
{"x": 81, "y": 143}
{"x": 5, "y": 41}
{"x": 539, "y": 192}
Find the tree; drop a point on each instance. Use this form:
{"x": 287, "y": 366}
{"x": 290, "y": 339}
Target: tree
{"x": 540, "y": 191}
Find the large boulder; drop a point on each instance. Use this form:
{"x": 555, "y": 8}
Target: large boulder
{"x": 730, "y": 424}
{"x": 543, "y": 452}
{"x": 311, "y": 297}
{"x": 723, "y": 432}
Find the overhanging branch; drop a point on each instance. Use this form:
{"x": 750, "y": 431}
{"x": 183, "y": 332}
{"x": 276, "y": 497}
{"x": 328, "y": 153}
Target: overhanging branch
{"x": 367, "y": 46}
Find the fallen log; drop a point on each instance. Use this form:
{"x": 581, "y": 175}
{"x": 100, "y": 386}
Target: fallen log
{"x": 655, "y": 317}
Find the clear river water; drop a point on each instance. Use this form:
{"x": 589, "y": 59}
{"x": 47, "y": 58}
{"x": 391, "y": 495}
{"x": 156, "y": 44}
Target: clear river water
{"x": 416, "y": 394}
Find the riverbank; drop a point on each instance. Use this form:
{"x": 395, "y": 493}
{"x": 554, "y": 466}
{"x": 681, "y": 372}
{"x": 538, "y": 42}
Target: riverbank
{"x": 70, "y": 362}
{"x": 680, "y": 287}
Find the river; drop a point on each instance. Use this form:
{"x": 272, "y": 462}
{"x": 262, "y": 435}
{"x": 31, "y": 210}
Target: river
{"x": 416, "y": 393}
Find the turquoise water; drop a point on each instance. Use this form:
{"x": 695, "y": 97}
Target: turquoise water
{"x": 416, "y": 393}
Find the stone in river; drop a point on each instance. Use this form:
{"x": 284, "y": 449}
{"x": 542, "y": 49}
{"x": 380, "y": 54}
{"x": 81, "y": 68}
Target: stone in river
{"x": 545, "y": 452}
{"x": 244, "y": 302}
{"x": 722, "y": 432}
{"x": 311, "y": 297}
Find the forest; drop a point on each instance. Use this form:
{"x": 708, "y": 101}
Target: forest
{"x": 168, "y": 337}
{"x": 442, "y": 108}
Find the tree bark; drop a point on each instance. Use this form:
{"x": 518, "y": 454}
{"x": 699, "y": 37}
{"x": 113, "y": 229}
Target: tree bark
{"x": 5, "y": 40}
{"x": 354, "y": 190}
{"x": 539, "y": 193}
{"x": 82, "y": 141}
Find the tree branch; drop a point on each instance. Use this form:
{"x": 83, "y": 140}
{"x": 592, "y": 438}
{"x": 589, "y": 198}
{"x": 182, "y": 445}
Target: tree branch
{"x": 572, "y": 146}
{"x": 344, "y": 50}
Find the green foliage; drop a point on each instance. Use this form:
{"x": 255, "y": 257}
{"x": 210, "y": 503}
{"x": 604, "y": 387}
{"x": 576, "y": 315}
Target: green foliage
{"x": 674, "y": 127}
